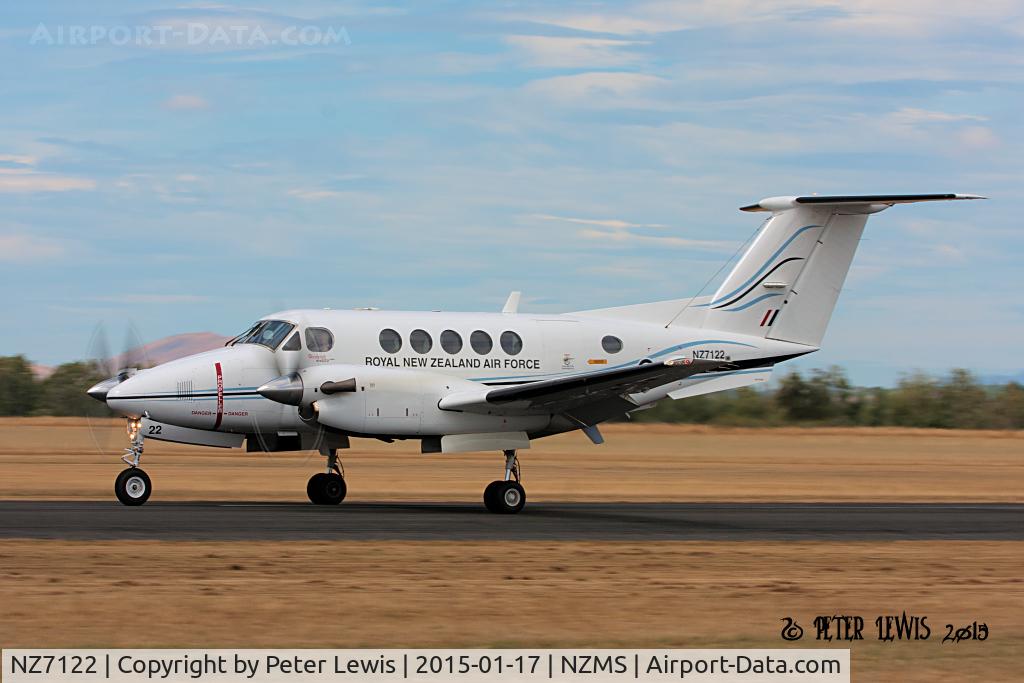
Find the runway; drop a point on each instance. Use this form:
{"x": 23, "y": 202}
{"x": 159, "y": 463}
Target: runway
{"x": 174, "y": 521}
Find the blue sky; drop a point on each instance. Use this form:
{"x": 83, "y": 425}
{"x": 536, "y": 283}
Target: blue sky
{"x": 438, "y": 155}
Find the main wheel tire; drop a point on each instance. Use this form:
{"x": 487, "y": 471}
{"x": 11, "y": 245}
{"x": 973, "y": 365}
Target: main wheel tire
{"x": 326, "y": 489}
{"x": 132, "y": 486}
{"x": 506, "y": 497}
{"x": 314, "y": 487}
{"x": 491, "y": 496}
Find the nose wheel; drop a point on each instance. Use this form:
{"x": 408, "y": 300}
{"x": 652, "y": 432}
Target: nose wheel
{"x": 328, "y": 488}
{"x": 506, "y": 496}
{"x": 132, "y": 486}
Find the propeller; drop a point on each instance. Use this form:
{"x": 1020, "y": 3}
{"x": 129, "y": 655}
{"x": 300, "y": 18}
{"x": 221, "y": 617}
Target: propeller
{"x": 287, "y": 363}
{"x": 115, "y": 369}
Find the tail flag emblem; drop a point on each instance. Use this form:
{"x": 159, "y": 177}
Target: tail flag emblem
{"x": 769, "y": 317}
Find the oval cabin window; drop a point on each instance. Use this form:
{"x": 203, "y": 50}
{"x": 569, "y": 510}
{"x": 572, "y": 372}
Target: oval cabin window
{"x": 390, "y": 340}
{"x": 511, "y": 342}
{"x": 611, "y": 344}
{"x": 420, "y": 341}
{"x": 481, "y": 342}
{"x": 451, "y": 341}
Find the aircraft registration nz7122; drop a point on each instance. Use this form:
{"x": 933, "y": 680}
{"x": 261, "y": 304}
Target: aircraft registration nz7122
{"x": 313, "y": 379}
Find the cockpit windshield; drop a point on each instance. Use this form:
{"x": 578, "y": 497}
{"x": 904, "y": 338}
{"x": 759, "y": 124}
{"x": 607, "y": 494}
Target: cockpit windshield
{"x": 269, "y": 333}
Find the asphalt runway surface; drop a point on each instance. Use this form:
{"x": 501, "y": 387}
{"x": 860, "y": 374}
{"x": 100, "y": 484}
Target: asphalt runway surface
{"x": 211, "y": 521}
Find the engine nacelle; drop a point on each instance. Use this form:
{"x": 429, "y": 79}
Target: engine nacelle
{"x": 387, "y": 401}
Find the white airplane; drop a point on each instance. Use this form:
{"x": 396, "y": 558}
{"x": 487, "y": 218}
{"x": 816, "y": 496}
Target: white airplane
{"x": 457, "y": 382}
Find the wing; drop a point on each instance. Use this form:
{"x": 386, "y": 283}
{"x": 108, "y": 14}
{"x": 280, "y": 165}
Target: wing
{"x": 567, "y": 393}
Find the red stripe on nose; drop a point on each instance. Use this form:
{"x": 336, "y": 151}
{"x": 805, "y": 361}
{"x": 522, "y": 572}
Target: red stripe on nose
{"x": 220, "y": 395}
{"x": 765, "y": 318}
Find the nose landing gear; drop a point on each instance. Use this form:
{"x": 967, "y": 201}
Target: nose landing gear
{"x": 328, "y": 488}
{"x": 506, "y": 496}
{"x": 132, "y": 486}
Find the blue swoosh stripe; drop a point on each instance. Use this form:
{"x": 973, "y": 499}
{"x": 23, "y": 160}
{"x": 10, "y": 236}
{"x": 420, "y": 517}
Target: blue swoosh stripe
{"x": 750, "y": 303}
{"x": 723, "y": 373}
{"x": 687, "y": 345}
{"x": 766, "y": 264}
{"x": 663, "y": 352}
{"x": 227, "y": 392}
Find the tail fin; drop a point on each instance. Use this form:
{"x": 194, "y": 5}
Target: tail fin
{"x": 786, "y": 285}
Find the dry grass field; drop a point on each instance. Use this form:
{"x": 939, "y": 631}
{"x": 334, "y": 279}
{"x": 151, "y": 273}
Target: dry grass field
{"x": 529, "y": 594}
{"x": 62, "y": 459}
{"x": 377, "y": 593}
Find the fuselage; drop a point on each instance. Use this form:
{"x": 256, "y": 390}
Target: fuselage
{"x": 404, "y": 363}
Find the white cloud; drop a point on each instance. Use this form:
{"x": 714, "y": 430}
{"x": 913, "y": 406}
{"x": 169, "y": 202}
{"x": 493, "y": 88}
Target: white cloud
{"x": 912, "y": 116}
{"x": 622, "y": 236}
{"x": 24, "y": 178}
{"x": 612, "y": 223}
{"x": 872, "y": 17}
{"x": 978, "y": 137}
{"x": 23, "y": 247}
{"x": 153, "y": 299}
{"x": 186, "y": 103}
{"x": 183, "y": 188}
{"x": 19, "y": 181}
{"x": 626, "y": 24}
{"x": 22, "y": 159}
{"x": 310, "y": 195}
{"x": 596, "y": 88}
{"x": 568, "y": 52}
{"x": 620, "y": 231}
{"x": 919, "y": 125}
{"x": 949, "y": 252}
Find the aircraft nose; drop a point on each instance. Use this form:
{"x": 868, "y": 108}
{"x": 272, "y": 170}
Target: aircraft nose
{"x": 118, "y": 395}
{"x": 100, "y": 390}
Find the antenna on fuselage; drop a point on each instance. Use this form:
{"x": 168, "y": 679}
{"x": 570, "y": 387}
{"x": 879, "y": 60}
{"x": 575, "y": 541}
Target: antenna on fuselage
{"x": 512, "y": 304}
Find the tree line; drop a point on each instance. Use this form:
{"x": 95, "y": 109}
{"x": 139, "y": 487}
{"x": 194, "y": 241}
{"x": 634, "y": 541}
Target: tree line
{"x": 957, "y": 400}
{"x": 62, "y": 393}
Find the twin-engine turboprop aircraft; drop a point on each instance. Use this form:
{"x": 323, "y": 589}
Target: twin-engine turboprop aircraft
{"x": 313, "y": 379}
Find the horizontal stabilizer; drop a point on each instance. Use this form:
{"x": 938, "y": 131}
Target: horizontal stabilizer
{"x": 721, "y": 382}
{"x": 885, "y": 200}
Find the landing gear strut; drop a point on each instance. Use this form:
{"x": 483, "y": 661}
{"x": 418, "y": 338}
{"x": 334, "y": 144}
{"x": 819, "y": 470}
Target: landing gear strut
{"x": 328, "y": 488}
{"x": 506, "y": 496}
{"x": 132, "y": 486}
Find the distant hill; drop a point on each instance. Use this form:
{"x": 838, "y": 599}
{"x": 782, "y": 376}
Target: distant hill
{"x": 172, "y": 348}
{"x": 154, "y": 353}
{"x": 41, "y": 372}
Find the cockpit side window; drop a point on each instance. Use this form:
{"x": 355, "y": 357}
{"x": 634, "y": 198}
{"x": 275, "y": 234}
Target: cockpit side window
{"x": 319, "y": 339}
{"x": 237, "y": 339}
{"x": 269, "y": 333}
{"x": 293, "y": 344}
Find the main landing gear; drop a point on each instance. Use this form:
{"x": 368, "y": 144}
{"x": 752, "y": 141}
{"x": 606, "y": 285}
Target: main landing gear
{"x": 328, "y": 488}
{"x": 506, "y": 496}
{"x": 132, "y": 486}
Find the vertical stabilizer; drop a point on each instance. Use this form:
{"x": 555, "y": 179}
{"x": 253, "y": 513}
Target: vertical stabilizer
{"x": 786, "y": 285}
